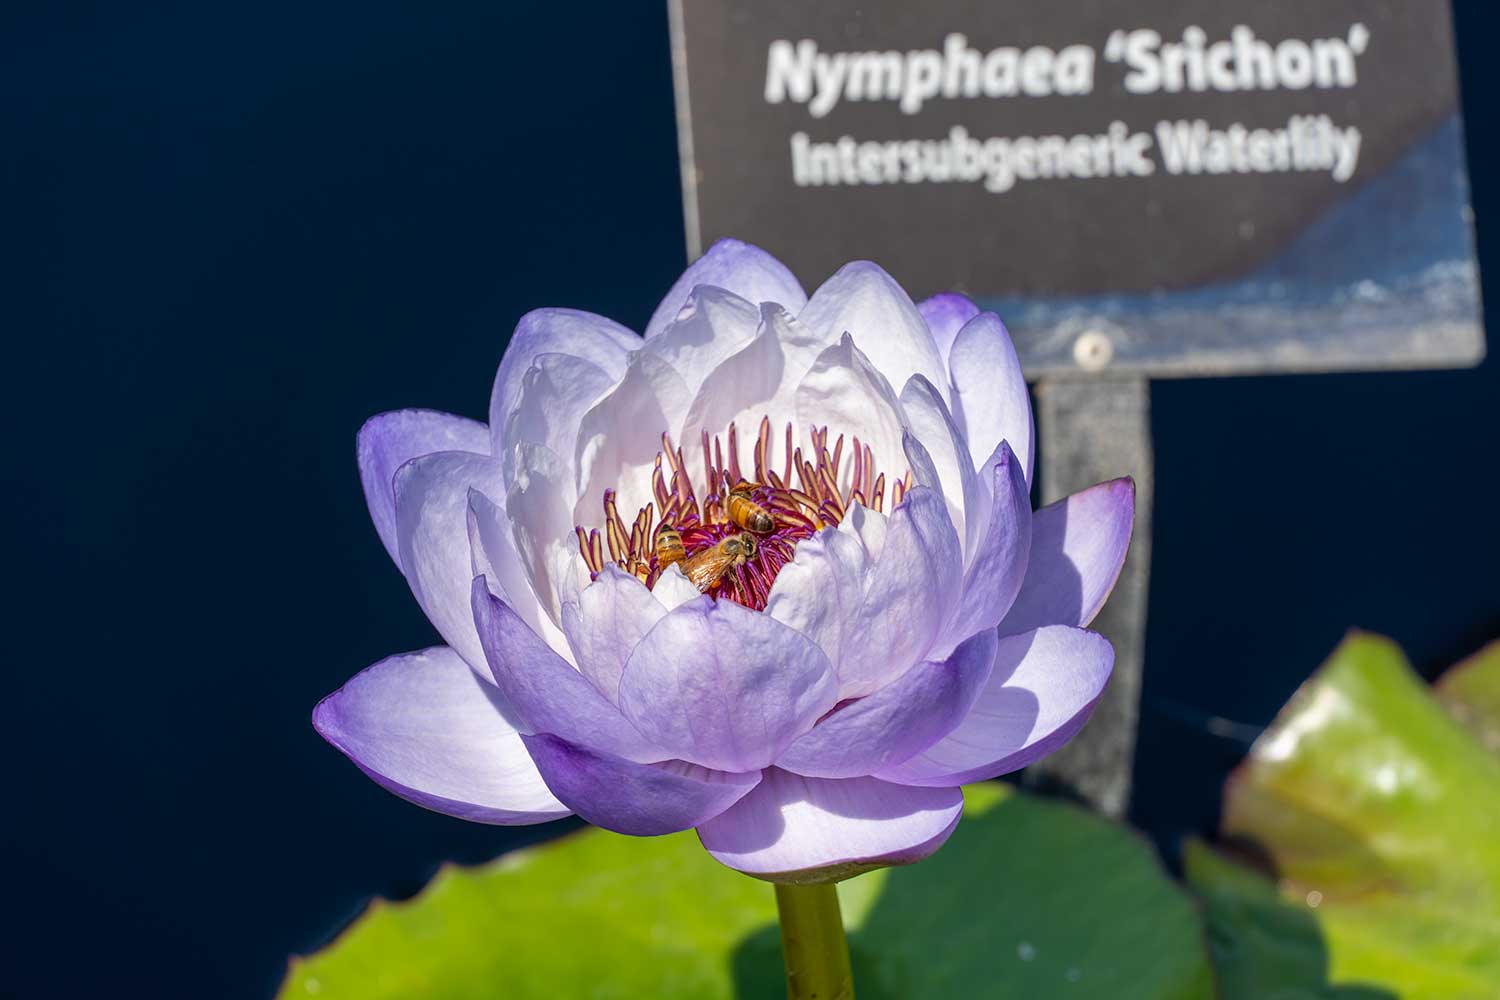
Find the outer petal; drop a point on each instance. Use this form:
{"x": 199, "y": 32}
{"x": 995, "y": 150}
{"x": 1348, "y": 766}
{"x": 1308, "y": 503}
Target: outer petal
{"x": 556, "y": 331}
{"x": 423, "y": 726}
{"x": 548, "y": 695}
{"x": 897, "y": 722}
{"x": 1044, "y": 686}
{"x": 726, "y": 687}
{"x": 989, "y": 391}
{"x": 745, "y": 270}
{"x": 612, "y": 615}
{"x": 712, "y": 325}
{"x": 432, "y": 513}
{"x": 390, "y": 440}
{"x": 911, "y": 593}
{"x": 945, "y": 315}
{"x": 806, "y": 830}
{"x": 1078, "y": 547}
{"x": 862, "y": 300}
{"x": 642, "y": 800}
{"x": 998, "y": 569}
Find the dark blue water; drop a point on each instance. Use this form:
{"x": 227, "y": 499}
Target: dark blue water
{"x": 232, "y": 233}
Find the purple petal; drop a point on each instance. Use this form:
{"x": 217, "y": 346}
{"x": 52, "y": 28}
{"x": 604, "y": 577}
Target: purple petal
{"x": 432, "y": 521}
{"x": 601, "y": 341}
{"x": 897, "y": 722}
{"x": 726, "y": 687}
{"x": 998, "y": 570}
{"x": 712, "y": 325}
{"x": 806, "y": 830}
{"x": 989, "y": 391}
{"x": 1078, "y": 547}
{"x": 620, "y": 437}
{"x": 641, "y": 800}
{"x": 946, "y": 314}
{"x": 612, "y": 616}
{"x": 928, "y": 420}
{"x": 862, "y": 300}
{"x": 548, "y": 695}
{"x": 911, "y": 591}
{"x": 425, "y": 727}
{"x": 1043, "y": 688}
{"x": 493, "y": 555}
{"x": 390, "y": 440}
{"x": 556, "y": 391}
{"x": 819, "y": 593}
{"x": 745, "y": 270}
{"x": 844, "y": 392}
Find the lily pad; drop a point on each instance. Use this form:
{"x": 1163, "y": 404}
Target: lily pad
{"x": 1378, "y": 814}
{"x": 1029, "y": 899}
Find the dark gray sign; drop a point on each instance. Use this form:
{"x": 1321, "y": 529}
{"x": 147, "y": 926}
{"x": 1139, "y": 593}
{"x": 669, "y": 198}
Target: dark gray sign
{"x": 1163, "y": 186}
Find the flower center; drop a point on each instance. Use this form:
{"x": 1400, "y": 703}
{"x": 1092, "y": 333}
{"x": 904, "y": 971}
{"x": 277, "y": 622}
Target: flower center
{"x": 734, "y": 541}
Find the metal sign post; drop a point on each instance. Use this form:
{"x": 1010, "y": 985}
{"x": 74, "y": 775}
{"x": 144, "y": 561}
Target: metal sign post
{"x": 1140, "y": 189}
{"x": 1089, "y": 431}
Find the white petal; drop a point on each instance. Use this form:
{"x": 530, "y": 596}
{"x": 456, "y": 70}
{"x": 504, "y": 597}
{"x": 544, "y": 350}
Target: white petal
{"x": 712, "y": 325}
{"x": 989, "y": 391}
{"x": 846, "y": 394}
{"x": 928, "y": 420}
{"x": 805, "y": 830}
{"x": 556, "y": 392}
{"x": 862, "y": 300}
{"x": 747, "y": 271}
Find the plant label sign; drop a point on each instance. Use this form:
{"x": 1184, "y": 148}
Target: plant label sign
{"x": 1149, "y": 186}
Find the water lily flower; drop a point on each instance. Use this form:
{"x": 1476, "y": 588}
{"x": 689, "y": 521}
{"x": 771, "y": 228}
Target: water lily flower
{"x": 769, "y": 571}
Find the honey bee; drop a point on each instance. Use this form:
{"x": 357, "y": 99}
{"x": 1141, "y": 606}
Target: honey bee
{"x": 669, "y": 548}
{"x": 746, "y": 513}
{"x": 706, "y": 568}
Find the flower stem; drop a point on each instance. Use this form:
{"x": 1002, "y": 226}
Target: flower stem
{"x": 813, "y": 944}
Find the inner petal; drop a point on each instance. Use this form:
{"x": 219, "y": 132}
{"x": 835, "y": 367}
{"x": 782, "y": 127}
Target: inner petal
{"x": 733, "y": 541}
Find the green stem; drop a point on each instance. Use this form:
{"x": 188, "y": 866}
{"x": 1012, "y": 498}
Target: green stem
{"x": 813, "y": 944}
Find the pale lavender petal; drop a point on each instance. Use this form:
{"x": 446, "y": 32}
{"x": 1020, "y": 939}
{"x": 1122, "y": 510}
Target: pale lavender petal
{"x": 432, "y": 515}
{"x": 989, "y": 391}
{"x": 493, "y": 555}
{"x": 928, "y": 420}
{"x": 390, "y": 440}
{"x": 1078, "y": 548}
{"x": 1043, "y": 688}
{"x": 747, "y": 271}
{"x": 547, "y": 694}
{"x": 612, "y": 615}
{"x": 540, "y": 506}
{"x": 946, "y": 314}
{"x": 620, "y": 437}
{"x": 601, "y": 341}
{"x": 712, "y": 325}
{"x": 864, "y": 301}
{"x": 726, "y": 687}
{"x": 673, "y": 589}
{"x": 819, "y": 593}
{"x": 806, "y": 830}
{"x": 556, "y": 391}
{"x": 425, "y": 727}
{"x": 641, "y": 800}
{"x": 897, "y": 722}
{"x": 847, "y": 394}
{"x": 993, "y": 579}
{"x": 911, "y": 591}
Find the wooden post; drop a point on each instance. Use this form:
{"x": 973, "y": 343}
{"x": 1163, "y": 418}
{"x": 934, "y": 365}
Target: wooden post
{"x": 1092, "y": 430}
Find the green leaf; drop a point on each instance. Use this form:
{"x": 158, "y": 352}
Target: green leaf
{"x": 1470, "y": 692}
{"x": 1029, "y": 899}
{"x": 1378, "y": 814}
